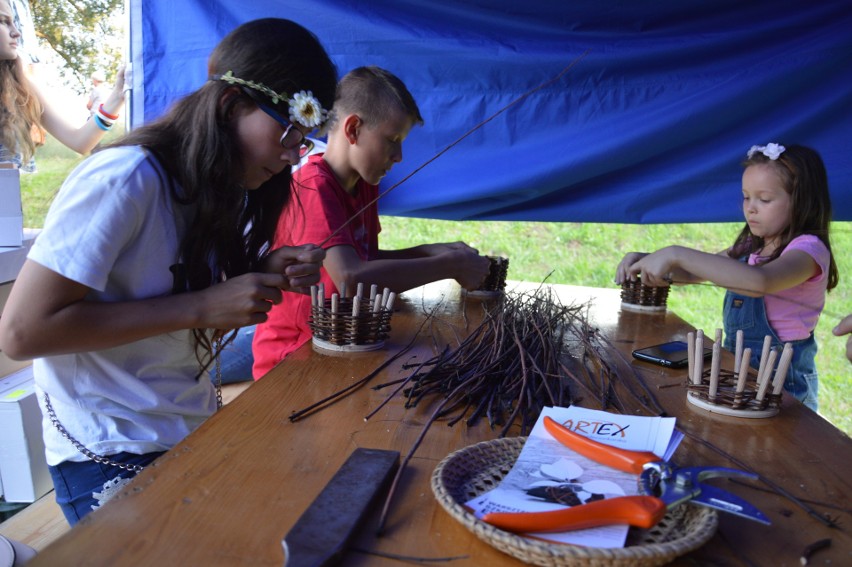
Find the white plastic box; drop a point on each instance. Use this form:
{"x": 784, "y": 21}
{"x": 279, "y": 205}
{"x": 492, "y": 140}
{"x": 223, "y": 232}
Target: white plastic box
{"x": 23, "y": 467}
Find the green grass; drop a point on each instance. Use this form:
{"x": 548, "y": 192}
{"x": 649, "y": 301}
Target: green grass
{"x": 54, "y": 162}
{"x": 573, "y": 253}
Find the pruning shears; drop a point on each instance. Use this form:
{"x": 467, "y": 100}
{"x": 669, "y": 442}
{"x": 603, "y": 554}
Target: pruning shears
{"x": 663, "y": 486}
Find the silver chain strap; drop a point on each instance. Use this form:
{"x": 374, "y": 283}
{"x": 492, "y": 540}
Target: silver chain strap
{"x": 79, "y": 446}
{"x": 217, "y": 352}
{"x": 106, "y": 460}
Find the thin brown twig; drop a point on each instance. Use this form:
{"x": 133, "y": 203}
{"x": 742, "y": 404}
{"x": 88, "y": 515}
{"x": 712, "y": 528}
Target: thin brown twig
{"x": 831, "y": 523}
{"x": 316, "y": 406}
{"x": 409, "y": 558}
{"x": 459, "y": 139}
{"x": 788, "y": 299}
{"x": 844, "y": 509}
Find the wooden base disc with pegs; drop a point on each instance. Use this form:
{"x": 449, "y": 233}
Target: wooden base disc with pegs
{"x": 696, "y": 400}
{"x": 741, "y": 392}
{"x": 343, "y": 324}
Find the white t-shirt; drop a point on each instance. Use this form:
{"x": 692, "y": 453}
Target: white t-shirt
{"x": 114, "y": 228}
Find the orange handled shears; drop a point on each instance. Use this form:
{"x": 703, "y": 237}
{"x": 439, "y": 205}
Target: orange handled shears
{"x": 663, "y": 487}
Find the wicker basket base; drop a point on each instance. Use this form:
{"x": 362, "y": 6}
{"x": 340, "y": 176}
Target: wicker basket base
{"x": 642, "y": 308}
{"x": 471, "y": 471}
{"x": 328, "y": 348}
{"x": 721, "y": 409}
{"x": 484, "y": 294}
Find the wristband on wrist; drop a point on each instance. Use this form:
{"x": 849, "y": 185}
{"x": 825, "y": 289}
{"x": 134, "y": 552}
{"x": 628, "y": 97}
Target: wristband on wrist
{"x": 106, "y": 114}
{"x": 101, "y": 123}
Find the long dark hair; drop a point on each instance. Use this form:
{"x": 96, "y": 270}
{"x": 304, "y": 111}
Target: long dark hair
{"x": 803, "y": 174}
{"x": 195, "y": 143}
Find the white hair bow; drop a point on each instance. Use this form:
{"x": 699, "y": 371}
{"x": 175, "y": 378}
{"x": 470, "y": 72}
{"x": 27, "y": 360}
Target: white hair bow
{"x": 772, "y": 151}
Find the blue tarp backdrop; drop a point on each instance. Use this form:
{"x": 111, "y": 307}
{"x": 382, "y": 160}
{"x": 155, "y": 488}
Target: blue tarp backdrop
{"x": 649, "y": 126}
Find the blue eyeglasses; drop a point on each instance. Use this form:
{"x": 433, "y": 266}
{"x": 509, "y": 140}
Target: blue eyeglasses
{"x": 292, "y": 138}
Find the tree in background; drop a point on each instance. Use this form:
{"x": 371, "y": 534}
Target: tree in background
{"x": 87, "y": 35}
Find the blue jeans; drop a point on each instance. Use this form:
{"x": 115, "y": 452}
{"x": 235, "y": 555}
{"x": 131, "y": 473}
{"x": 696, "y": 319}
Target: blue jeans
{"x": 76, "y": 483}
{"x": 236, "y": 358}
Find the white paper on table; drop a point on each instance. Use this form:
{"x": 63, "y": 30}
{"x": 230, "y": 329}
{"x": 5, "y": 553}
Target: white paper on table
{"x": 630, "y": 432}
{"x": 544, "y": 464}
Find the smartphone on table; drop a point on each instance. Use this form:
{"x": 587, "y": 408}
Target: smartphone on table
{"x": 673, "y": 354}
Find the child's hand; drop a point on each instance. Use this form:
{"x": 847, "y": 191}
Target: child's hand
{"x": 472, "y": 269}
{"x": 239, "y": 301}
{"x": 655, "y": 269}
{"x": 845, "y": 328}
{"x": 299, "y": 264}
{"x": 118, "y": 85}
{"x": 622, "y": 271}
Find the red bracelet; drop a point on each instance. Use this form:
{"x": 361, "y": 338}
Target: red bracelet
{"x": 106, "y": 114}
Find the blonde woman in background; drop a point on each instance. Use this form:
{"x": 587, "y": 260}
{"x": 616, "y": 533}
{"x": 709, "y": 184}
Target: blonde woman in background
{"x": 25, "y": 115}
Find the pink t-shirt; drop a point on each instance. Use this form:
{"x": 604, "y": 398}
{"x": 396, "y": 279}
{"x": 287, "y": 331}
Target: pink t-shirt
{"x": 793, "y": 312}
{"x": 318, "y": 208}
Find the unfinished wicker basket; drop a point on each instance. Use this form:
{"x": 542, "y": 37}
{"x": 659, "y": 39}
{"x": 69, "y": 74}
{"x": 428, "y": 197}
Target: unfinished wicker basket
{"x": 494, "y": 285}
{"x": 476, "y": 469}
{"x": 635, "y": 296}
{"x": 350, "y": 324}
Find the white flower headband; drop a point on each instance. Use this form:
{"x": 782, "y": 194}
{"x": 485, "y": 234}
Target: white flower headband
{"x": 304, "y": 106}
{"x": 772, "y": 151}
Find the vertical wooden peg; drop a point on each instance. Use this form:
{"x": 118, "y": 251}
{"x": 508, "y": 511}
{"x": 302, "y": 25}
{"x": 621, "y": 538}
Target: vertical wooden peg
{"x": 715, "y": 362}
{"x": 690, "y": 354}
{"x": 741, "y": 378}
{"x": 767, "y": 343}
{"x": 699, "y": 358}
{"x": 764, "y": 380}
{"x": 783, "y": 367}
{"x": 738, "y": 353}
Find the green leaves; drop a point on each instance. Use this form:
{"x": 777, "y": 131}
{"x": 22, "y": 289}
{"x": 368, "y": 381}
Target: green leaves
{"x": 87, "y": 35}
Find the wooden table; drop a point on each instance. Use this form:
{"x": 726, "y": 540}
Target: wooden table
{"x": 229, "y": 492}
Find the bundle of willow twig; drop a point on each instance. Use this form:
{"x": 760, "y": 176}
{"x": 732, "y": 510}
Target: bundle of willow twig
{"x": 513, "y": 364}
{"x": 529, "y": 352}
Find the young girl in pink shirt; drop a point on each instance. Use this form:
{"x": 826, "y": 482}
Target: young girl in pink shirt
{"x": 779, "y": 268}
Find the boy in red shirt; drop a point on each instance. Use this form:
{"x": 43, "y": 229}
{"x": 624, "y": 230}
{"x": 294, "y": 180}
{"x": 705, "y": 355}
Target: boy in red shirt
{"x": 372, "y": 115}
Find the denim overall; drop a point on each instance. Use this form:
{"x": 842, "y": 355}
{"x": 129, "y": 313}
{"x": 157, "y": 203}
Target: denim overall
{"x": 749, "y": 315}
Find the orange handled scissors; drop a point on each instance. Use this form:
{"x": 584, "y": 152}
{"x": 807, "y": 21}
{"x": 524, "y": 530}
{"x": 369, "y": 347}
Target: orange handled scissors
{"x": 663, "y": 487}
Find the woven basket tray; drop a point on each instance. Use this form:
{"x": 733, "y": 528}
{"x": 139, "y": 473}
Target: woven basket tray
{"x": 476, "y": 469}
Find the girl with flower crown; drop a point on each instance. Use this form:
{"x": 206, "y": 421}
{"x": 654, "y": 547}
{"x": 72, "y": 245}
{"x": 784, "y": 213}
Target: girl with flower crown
{"x": 25, "y": 114}
{"x": 154, "y": 248}
{"x": 779, "y": 268}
